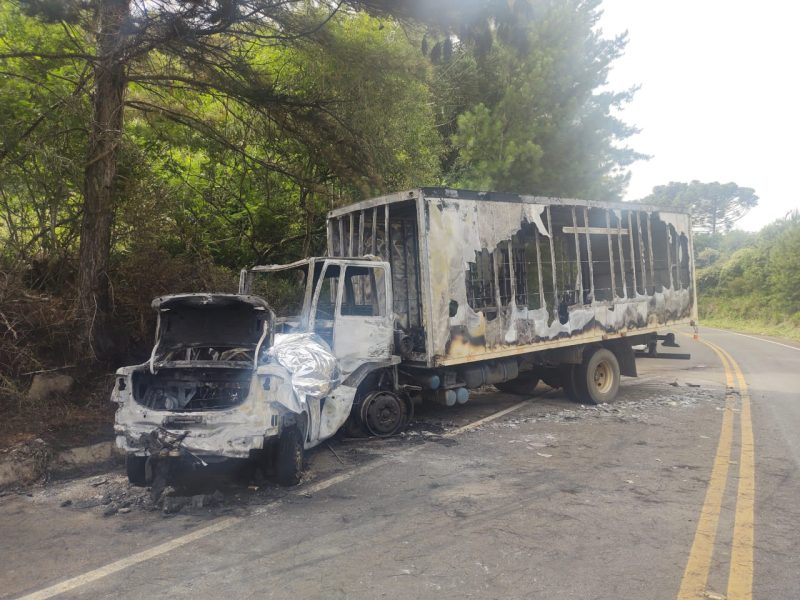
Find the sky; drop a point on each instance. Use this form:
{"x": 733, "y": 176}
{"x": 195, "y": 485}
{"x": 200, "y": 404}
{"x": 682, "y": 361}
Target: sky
{"x": 719, "y": 97}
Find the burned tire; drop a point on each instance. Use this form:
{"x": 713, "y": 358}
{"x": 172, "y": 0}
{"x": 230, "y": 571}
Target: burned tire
{"x": 384, "y": 413}
{"x": 521, "y": 386}
{"x": 289, "y": 456}
{"x": 597, "y": 377}
{"x": 135, "y": 468}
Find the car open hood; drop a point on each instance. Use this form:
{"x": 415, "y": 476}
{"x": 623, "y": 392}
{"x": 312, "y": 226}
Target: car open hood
{"x": 210, "y": 320}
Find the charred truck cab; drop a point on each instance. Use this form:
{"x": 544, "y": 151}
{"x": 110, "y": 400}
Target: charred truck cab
{"x": 349, "y": 304}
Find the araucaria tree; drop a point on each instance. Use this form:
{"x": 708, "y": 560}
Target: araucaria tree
{"x": 715, "y": 206}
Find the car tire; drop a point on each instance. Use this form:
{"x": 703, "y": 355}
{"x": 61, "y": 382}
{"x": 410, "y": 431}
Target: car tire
{"x": 289, "y": 457}
{"x": 135, "y": 466}
{"x": 597, "y": 377}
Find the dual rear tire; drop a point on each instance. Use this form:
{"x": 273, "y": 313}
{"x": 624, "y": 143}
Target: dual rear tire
{"x": 595, "y": 380}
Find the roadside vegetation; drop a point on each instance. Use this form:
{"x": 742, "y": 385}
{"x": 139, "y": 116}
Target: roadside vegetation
{"x": 751, "y": 281}
{"x": 746, "y": 281}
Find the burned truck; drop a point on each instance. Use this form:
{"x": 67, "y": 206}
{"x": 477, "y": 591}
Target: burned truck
{"x": 506, "y": 289}
{"x": 429, "y": 293}
{"x": 503, "y": 278}
{"x": 423, "y": 295}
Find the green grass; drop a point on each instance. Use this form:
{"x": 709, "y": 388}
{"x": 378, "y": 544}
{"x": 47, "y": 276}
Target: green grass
{"x": 750, "y": 326}
{"x": 749, "y": 315}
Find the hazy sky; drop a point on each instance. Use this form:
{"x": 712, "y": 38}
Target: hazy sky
{"x": 719, "y": 97}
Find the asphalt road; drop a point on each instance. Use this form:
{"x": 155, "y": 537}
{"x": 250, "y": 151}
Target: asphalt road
{"x": 647, "y": 498}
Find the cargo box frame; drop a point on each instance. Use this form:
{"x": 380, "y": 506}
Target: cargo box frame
{"x": 479, "y": 276}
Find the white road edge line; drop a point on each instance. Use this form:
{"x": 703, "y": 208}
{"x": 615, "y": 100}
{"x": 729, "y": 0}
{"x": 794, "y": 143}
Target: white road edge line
{"x": 217, "y": 526}
{"x": 752, "y": 337}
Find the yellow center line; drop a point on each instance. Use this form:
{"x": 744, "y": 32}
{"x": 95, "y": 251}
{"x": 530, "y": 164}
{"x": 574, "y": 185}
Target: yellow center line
{"x": 695, "y": 576}
{"x": 740, "y": 578}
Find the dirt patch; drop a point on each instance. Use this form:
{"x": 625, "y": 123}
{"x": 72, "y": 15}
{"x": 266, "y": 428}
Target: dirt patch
{"x": 85, "y": 417}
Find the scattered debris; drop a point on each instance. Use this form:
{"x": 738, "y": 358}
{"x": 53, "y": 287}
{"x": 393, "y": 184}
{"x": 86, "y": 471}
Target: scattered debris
{"x": 334, "y": 453}
{"x": 173, "y": 504}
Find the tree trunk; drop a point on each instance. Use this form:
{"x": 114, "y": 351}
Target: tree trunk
{"x": 105, "y": 135}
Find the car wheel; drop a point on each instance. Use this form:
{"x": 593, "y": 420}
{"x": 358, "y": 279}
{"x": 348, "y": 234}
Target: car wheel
{"x": 289, "y": 457}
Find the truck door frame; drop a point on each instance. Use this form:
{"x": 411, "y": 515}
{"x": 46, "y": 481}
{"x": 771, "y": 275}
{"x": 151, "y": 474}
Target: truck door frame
{"x": 384, "y": 321}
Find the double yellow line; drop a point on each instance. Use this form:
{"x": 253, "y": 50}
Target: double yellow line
{"x": 740, "y": 576}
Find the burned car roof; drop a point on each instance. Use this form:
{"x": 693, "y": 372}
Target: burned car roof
{"x": 198, "y": 300}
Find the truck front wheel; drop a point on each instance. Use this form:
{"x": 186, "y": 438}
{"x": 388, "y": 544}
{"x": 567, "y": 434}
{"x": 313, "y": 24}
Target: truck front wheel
{"x": 289, "y": 457}
{"x": 597, "y": 377}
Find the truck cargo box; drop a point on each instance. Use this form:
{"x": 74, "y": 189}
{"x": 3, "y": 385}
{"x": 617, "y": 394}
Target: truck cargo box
{"x": 484, "y": 275}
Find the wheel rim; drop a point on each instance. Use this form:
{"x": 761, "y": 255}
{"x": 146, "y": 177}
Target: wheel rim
{"x": 383, "y": 414}
{"x": 603, "y": 377}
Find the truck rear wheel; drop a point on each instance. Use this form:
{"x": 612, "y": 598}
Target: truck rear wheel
{"x": 597, "y": 377}
{"x": 289, "y": 457}
{"x": 568, "y": 377}
{"x": 521, "y": 386}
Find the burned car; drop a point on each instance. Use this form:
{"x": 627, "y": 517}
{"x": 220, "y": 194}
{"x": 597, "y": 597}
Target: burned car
{"x": 219, "y": 386}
